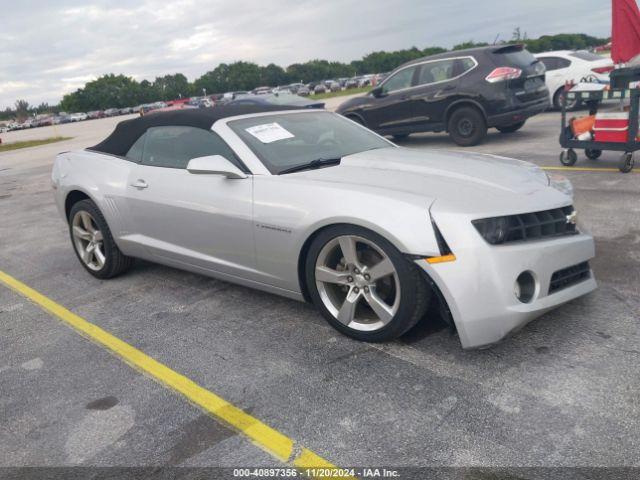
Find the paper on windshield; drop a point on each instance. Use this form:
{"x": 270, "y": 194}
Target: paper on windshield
{"x": 270, "y": 132}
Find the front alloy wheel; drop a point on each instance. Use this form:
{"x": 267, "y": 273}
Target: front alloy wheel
{"x": 363, "y": 285}
{"x": 357, "y": 283}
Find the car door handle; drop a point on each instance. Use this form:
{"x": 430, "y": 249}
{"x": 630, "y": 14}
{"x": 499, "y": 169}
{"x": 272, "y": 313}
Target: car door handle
{"x": 140, "y": 184}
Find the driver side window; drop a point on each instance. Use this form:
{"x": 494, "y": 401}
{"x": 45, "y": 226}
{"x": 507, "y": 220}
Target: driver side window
{"x": 401, "y": 80}
{"x": 173, "y": 147}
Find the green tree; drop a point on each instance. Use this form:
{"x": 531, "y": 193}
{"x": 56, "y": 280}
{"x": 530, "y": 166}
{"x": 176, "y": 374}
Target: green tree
{"x": 243, "y": 76}
{"x": 22, "y": 110}
{"x": 273, "y": 75}
{"x": 108, "y": 91}
{"x": 171, "y": 87}
{"x": 214, "y": 81}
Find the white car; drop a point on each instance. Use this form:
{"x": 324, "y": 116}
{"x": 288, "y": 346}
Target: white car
{"x": 78, "y": 117}
{"x": 573, "y": 66}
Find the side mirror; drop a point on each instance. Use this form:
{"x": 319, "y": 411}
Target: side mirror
{"x": 214, "y": 165}
{"x": 378, "y": 92}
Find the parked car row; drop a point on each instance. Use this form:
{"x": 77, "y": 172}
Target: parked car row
{"x": 316, "y": 87}
{"x": 45, "y": 120}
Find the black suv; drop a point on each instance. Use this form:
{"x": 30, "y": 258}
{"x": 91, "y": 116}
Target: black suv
{"x": 463, "y": 92}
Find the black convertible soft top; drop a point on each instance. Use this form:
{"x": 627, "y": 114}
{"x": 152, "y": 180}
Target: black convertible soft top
{"x": 128, "y": 131}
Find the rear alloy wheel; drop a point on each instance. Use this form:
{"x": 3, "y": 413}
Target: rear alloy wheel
{"x": 363, "y": 285}
{"x": 467, "y": 127}
{"x": 93, "y": 242}
{"x": 511, "y": 128}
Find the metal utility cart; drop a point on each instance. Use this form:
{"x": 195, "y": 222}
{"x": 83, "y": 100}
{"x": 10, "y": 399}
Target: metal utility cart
{"x": 620, "y": 80}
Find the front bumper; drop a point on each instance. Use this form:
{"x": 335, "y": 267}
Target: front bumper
{"x": 479, "y": 285}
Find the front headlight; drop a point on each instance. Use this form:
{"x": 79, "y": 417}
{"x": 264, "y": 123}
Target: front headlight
{"x": 560, "y": 183}
{"x": 494, "y": 230}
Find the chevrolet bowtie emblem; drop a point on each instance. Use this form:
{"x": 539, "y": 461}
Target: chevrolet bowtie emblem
{"x": 572, "y": 217}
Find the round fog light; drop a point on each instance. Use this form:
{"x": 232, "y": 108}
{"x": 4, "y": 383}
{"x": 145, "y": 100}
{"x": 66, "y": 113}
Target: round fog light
{"x": 525, "y": 287}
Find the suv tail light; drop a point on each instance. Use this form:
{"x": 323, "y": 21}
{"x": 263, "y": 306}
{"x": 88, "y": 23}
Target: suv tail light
{"x": 602, "y": 70}
{"x": 501, "y": 74}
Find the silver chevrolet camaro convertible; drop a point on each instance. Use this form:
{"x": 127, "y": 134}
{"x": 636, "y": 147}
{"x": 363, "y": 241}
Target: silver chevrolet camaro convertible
{"x": 312, "y": 206}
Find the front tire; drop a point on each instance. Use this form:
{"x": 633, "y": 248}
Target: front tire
{"x": 93, "y": 243}
{"x": 467, "y": 127}
{"x": 363, "y": 285}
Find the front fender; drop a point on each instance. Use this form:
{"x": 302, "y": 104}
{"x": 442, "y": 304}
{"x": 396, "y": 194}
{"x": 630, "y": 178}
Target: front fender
{"x": 285, "y": 218}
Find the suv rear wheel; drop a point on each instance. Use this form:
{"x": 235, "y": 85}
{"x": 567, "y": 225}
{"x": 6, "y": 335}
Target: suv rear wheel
{"x": 467, "y": 127}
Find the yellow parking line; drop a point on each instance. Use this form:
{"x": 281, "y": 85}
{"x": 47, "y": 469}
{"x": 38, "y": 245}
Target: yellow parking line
{"x": 586, "y": 169}
{"x": 269, "y": 439}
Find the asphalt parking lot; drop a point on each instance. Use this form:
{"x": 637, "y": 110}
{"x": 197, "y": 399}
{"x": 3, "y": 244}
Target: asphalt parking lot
{"x": 561, "y": 392}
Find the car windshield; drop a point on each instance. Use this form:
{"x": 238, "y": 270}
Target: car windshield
{"x": 282, "y": 141}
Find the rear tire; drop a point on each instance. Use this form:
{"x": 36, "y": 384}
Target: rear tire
{"x": 93, "y": 242}
{"x": 557, "y": 101}
{"x": 511, "y": 128}
{"x": 347, "y": 286}
{"x": 467, "y": 127}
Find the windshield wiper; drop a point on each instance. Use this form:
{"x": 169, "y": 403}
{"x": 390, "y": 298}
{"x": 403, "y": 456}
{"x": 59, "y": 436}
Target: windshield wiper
{"x": 313, "y": 164}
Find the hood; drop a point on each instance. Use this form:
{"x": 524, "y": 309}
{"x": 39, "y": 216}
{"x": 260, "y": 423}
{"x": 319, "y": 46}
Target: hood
{"x": 466, "y": 182}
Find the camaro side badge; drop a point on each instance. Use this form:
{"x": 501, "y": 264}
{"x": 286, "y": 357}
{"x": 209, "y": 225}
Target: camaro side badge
{"x": 273, "y": 227}
{"x": 572, "y": 217}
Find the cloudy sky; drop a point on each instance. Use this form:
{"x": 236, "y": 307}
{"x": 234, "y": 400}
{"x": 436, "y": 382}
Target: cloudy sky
{"x": 52, "y": 47}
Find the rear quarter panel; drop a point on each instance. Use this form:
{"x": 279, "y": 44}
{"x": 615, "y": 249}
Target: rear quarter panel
{"x": 103, "y": 178}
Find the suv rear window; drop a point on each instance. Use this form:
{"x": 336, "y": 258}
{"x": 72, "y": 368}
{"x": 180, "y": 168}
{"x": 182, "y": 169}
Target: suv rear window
{"x": 514, "y": 57}
{"x": 588, "y": 56}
